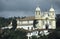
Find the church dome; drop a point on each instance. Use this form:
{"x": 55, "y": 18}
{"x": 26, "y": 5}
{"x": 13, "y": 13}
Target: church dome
{"x": 37, "y": 9}
{"x": 51, "y": 9}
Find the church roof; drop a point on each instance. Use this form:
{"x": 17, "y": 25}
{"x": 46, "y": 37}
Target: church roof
{"x": 37, "y": 9}
{"x": 51, "y": 9}
{"x": 27, "y": 18}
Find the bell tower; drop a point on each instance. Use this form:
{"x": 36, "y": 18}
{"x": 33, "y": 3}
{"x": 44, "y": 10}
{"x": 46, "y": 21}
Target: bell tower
{"x": 37, "y": 10}
{"x": 52, "y": 12}
{"x": 37, "y": 13}
{"x": 52, "y": 18}
{"x": 38, "y": 16}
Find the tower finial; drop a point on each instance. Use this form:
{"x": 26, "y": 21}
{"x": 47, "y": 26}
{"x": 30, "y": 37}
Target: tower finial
{"x": 38, "y": 3}
{"x": 51, "y": 9}
{"x": 51, "y": 4}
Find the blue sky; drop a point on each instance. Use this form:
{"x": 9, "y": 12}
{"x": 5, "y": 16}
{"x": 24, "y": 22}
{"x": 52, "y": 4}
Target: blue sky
{"x": 11, "y": 8}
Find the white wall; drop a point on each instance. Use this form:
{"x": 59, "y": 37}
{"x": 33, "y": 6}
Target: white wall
{"x": 25, "y": 27}
{"x": 31, "y": 22}
{"x": 24, "y": 22}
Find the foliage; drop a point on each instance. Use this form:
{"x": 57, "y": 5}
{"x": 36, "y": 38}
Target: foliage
{"x": 58, "y": 20}
{"x": 14, "y": 24}
{"x": 18, "y": 34}
{"x": 34, "y": 37}
{"x": 34, "y": 23}
{"x": 4, "y": 22}
{"x": 13, "y": 34}
{"x": 55, "y": 34}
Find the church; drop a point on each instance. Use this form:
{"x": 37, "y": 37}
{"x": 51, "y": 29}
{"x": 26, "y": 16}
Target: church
{"x": 41, "y": 20}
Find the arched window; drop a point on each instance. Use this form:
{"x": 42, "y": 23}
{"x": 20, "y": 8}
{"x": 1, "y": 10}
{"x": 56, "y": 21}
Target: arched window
{"x": 39, "y": 12}
{"x": 36, "y": 12}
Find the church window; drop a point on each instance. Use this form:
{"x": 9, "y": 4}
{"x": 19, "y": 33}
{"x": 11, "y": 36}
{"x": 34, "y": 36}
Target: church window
{"x": 36, "y": 12}
{"x": 53, "y": 13}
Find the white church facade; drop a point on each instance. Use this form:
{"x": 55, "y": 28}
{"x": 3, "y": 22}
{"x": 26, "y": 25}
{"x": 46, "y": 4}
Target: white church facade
{"x": 45, "y": 20}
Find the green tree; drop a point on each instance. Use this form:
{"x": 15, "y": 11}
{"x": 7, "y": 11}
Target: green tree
{"x": 34, "y": 23}
{"x": 13, "y": 34}
{"x": 34, "y": 37}
{"x": 4, "y": 22}
{"x": 18, "y": 34}
{"x": 14, "y": 24}
{"x": 55, "y": 34}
